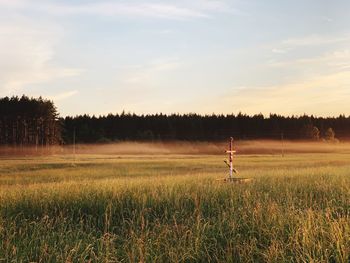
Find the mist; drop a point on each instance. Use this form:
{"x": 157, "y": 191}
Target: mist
{"x": 182, "y": 147}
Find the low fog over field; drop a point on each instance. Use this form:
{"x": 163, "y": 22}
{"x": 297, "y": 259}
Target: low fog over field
{"x": 181, "y": 147}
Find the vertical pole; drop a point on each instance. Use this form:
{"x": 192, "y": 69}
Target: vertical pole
{"x": 36, "y": 139}
{"x": 230, "y": 156}
{"x": 282, "y": 141}
{"x": 74, "y": 142}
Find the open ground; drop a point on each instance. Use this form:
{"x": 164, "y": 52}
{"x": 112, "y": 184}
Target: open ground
{"x": 170, "y": 207}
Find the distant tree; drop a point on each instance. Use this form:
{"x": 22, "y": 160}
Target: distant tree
{"x": 311, "y": 132}
{"x": 29, "y": 121}
{"x": 315, "y": 133}
{"x": 329, "y": 134}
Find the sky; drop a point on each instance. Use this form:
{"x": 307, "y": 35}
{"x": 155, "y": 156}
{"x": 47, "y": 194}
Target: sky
{"x": 199, "y": 56}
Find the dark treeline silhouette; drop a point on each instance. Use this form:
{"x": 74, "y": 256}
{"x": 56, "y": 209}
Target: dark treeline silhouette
{"x": 28, "y": 122}
{"x": 194, "y": 127}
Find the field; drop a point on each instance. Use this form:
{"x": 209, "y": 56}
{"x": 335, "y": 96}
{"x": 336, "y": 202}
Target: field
{"x": 172, "y": 208}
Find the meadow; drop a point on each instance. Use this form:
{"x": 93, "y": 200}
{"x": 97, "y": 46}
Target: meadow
{"x": 172, "y": 208}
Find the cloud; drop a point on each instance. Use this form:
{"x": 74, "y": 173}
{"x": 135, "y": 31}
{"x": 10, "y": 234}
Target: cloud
{"x": 313, "y": 40}
{"x": 326, "y": 19}
{"x": 12, "y": 3}
{"x": 151, "y": 9}
{"x": 216, "y": 6}
{"x": 311, "y": 55}
{"x": 301, "y": 44}
{"x": 335, "y": 60}
{"x": 320, "y": 95}
{"x": 110, "y": 8}
{"x": 63, "y": 95}
{"x": 26, "y": 52}
{"x": 141, "y": 75}
{"x": 279, "y": 51}
{"x": 126, "y": 9}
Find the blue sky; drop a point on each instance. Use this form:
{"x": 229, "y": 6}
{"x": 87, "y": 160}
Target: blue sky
{"x": 100, "y": 57}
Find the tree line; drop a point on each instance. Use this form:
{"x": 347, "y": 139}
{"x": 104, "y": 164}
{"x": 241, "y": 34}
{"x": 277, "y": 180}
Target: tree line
{"x": 28, "y": 121}
{"x": 35, "y": 121}
{"x": 195, "y": 127}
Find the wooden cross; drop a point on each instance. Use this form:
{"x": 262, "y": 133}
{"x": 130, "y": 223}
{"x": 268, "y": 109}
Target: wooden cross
{"x": 230, "y": 153}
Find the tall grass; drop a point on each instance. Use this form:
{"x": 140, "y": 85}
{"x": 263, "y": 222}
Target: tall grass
{"x": 172, "y": 209}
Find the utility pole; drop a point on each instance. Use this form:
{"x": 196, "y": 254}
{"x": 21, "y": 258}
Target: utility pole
{"x": 282, "y": 142}
{"x": 74, "y": 142}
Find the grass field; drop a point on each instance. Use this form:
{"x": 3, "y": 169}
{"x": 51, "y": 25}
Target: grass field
{"x": 172, "y": 208}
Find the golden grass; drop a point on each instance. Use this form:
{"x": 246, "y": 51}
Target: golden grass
{"x": 154, "y": 208}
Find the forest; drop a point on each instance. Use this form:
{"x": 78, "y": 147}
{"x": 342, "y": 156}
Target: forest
{"x": 194, "y": 127}
{"x": 35, "y": 121}
{"x": 29, "y": 121}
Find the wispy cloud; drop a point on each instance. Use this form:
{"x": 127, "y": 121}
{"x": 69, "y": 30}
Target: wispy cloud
{"x": 141, "y": 75}
{"x": 326, "y": 19}
{"x": 321, "y": 95}
{"x": 63, "y": 96}
{"x": 310, "y": 41}
{"x": 217, "y": 6}
{"x": 26, "y": 49}
{"x": 312, "y": 54}
{"x": 166, "y": 11}
{"x": 12, "y": 3}
{"x": 177, "y": 10}
{"x": 313, "y": 40}
{"x": 279, "y": 50}
{"x": 335, "y": 60}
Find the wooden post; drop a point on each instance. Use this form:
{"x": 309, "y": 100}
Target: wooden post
{"x": 231, "y": 157}
{"x": 282, "y": 141}
{"x": 230, "y": 153}
{"x": 74, "y": 142}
